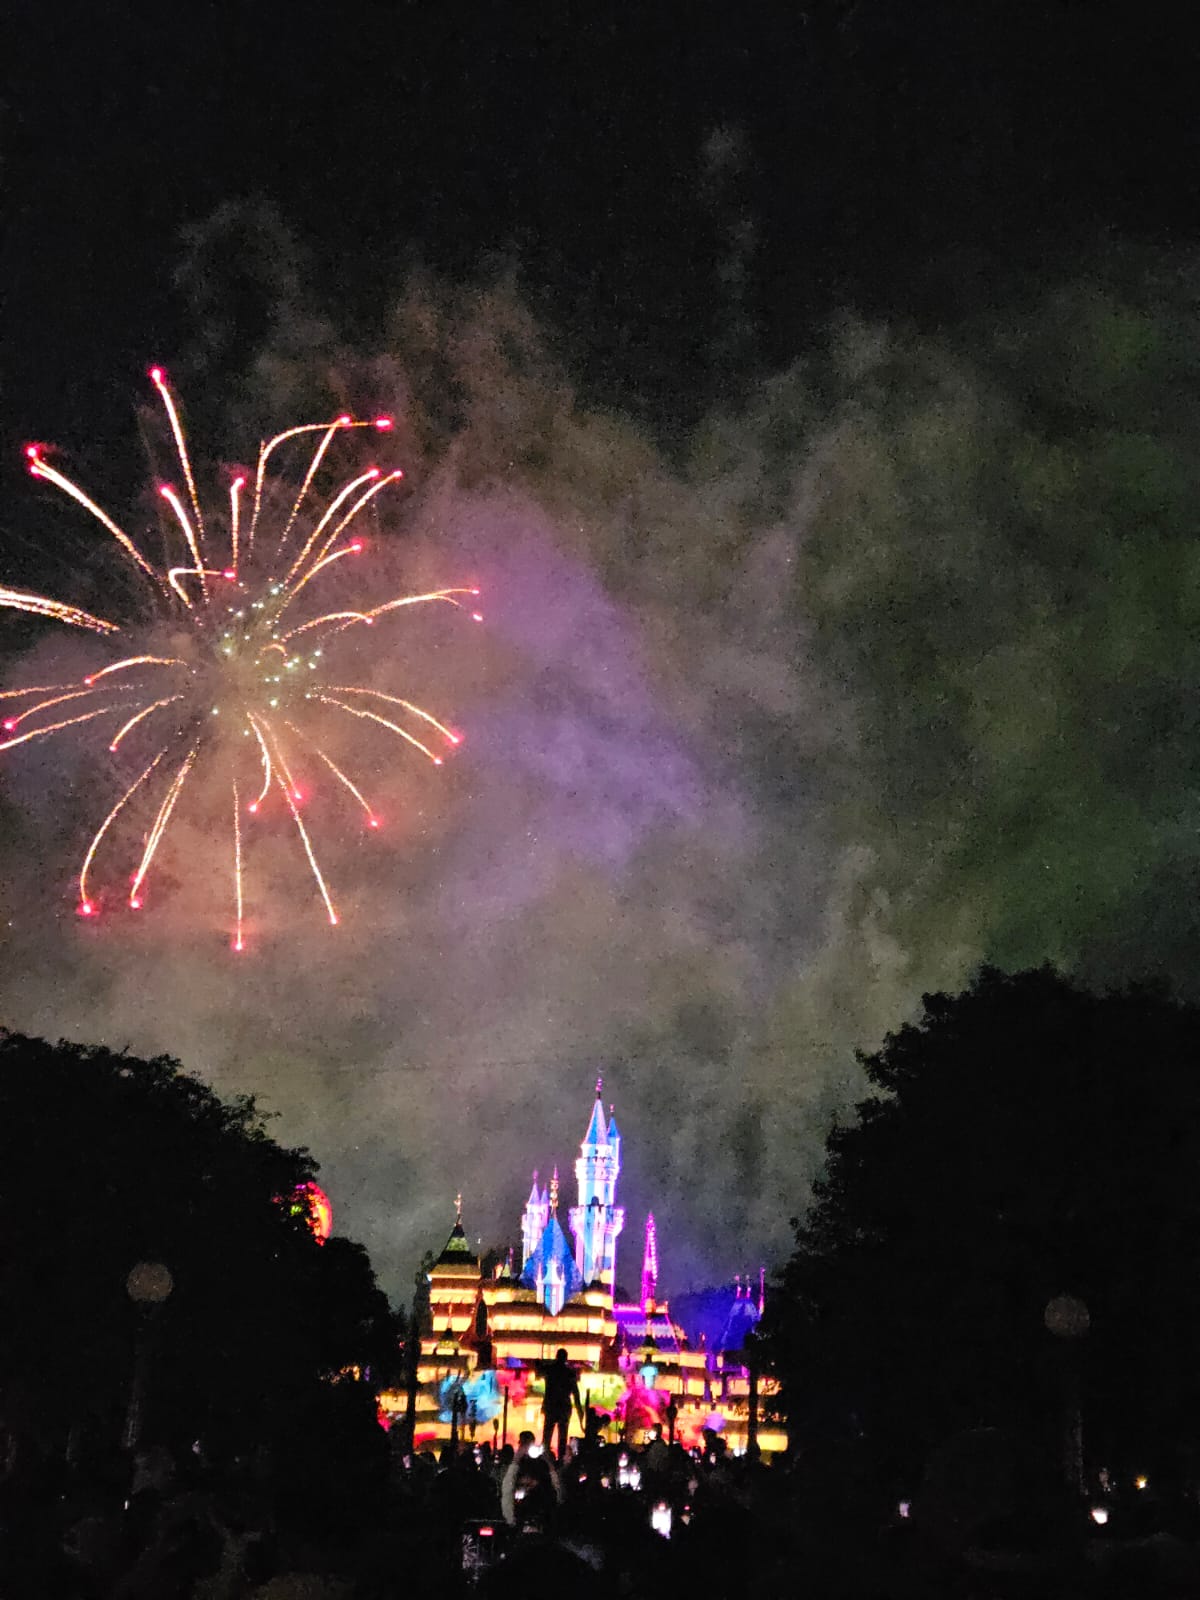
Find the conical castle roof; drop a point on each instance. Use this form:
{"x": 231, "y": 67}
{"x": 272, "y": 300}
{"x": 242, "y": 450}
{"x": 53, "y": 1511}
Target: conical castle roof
{"x": 596, "y": 1133}
{"x": 457, "y": 1250}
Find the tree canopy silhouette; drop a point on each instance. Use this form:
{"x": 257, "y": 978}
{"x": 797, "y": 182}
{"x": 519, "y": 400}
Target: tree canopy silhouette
{"x": 1027, "y": 1139}
{"x": 106, "y": 1161}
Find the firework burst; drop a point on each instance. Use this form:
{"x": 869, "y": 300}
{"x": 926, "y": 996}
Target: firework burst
{"x": 246, "y": 690}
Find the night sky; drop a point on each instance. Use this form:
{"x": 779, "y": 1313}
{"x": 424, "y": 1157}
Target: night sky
{"x": 813, "y": 391}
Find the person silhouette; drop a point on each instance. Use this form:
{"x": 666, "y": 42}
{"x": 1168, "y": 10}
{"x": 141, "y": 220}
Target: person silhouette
{"x": 562, "y": 1392}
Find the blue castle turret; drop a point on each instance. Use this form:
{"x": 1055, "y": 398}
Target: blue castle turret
{"x": 597, "y": 1219}
{"x": 549, "y": 1267}
{"x": 533, "y": 1220}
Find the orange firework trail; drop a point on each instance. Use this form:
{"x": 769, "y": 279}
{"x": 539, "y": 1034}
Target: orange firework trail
{"x": 240, "y": 675}
{"x": 238, "y": 940}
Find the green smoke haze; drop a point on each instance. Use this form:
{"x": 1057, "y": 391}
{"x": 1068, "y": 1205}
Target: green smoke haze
{"x": 886, "y": 668}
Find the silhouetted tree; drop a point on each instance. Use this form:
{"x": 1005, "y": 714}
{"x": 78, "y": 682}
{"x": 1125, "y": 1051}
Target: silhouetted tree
{"x": 1027, "y": 1139}
{"x": 106, "y": 1161}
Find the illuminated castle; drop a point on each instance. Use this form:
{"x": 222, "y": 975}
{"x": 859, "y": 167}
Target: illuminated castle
{"x": 489, "y": 1335}
{"x": 597, "y": 1219}
{"x": 548, "y": 1263}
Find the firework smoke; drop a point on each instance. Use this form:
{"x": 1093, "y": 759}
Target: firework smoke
{"x": 888, "y": 673}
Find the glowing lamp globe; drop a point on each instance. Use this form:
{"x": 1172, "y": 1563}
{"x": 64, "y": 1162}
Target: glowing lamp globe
{"x": 1066, "y": 1317}
{"x": 149, "y": 1283}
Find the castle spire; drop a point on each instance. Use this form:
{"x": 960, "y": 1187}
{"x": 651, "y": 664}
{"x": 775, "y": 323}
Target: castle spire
{"x": 597, "y": 1219}
{"x": 650, "y": 1265}
{"x": 554, "y": 1194}
{"x": 597, "y": 1133}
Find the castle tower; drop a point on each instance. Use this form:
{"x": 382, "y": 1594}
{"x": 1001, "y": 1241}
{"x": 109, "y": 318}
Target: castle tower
{"x": 597, "y": 1219}
{"x": 533, "y": 1220}
{"x": 650, "y": 1266}
{"x": 453, "y": 1284}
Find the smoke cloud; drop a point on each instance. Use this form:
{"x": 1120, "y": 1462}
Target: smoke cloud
{"x": 889, "y": 671}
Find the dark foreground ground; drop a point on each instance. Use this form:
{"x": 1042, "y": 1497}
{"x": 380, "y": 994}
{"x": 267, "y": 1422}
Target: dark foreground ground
{"x": 655, "y": 1522}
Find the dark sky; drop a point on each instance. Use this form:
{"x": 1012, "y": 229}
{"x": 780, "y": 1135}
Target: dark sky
{"x": 881, "y": 142}
{"x": 876, "y": 683}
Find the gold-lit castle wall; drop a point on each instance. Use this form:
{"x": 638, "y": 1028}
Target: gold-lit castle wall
{"x": 489, "y": 1335}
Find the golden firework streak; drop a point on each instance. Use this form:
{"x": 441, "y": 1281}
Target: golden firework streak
{"x": 372, "y": 716}
{"x": 44, "y": 705}
{"x": 84, "y": 902}
{"x": 135, "y": 661}
{"x": 395, "y": 700}
{"x": 39, "y": 606}
{"x": 235, "y": 490}
{"x": 330, "y": 511}
{"x": 140, "y": 716}
{"x": 238, "y": 942}
{"x": 68, "y": 722}
{"x": 40, "y": 469}
{"x": 156, "y": 377}
{"x": 342, "y": 778}
{"x": 189, "y": 533}
{"x": 160, "y": 824}
{"x": 239, "y": 675}
{"x": 266, "y": 762}
{"x": 308, "y": 850}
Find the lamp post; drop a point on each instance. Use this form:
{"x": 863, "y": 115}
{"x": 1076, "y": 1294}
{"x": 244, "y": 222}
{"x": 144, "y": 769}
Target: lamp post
{"x": 412, "y": 1363}
{"x": 1068, "y": 1319}
{"x": 149, "y": 1286}
{"x": 750, "y": 1351}
{"x": 420, "y": 1311}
